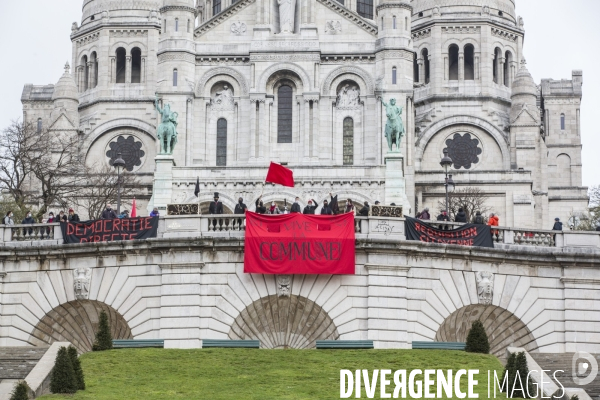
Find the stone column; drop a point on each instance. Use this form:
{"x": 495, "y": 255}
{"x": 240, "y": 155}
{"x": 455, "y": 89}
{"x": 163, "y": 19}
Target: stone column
{"x": 80, "y": 78}
{"x": 395, "y": 183}
{"x": 162, "y": 190}
{"x": 316, "y": 124}
{"x": 143, "y": 71}
{"x": 306, "y": 135}
{"x": 446, "y": 72}
{"x": 421, "y": 67}
{"x": 501, "y": 62}
{"x": 476, "y": 68}
{"x": 128, "y": 70}
{"x": 113, "y": 70}
{"x": 461, "y": 66}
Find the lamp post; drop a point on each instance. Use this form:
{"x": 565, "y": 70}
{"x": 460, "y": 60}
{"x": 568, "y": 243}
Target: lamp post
{"x": 119, "y": 164}
{"x": 449, "y": 183}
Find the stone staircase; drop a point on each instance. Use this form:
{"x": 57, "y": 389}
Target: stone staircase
{"x": 563, "y": 361}
{"x": 17, "y": 362}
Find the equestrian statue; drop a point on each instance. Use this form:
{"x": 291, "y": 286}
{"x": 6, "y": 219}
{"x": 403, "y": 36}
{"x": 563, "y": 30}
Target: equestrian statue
{"x": 167, "y": 130}
{"x": 394, "y": 128}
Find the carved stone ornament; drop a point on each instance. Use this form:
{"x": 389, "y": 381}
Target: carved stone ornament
{"x": 223, "y": 99}
{"x": 287, "y": 15}
{"x": 348, "y": 97}
{"x": 333, "y": 27}
{"x": 239, "y": 28}
{"x": 463, "y": 150}
{"x": 387, "y": 211}
{"x": 82, "y": 278}
{"x": 284, "y": 285}
{"x": 485, "y": 287}
{"x": 130, "y": 150}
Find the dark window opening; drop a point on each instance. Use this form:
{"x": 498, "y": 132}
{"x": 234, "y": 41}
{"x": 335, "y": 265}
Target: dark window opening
{"x": 216, "y": 7}
{"x": 394, "y": 76}
{"x": 425, "y": 55}
{"x": 495, "y": 67}
{"x": 222, "y": 142}
{"x": 420, "y": 14}
{"x": 507, "y": 63}
{"x": 469, "y": 62}
{"x": 86, "y": 73}
{"x": 562, "y": 122}
{"x": 174, "y": 77}
{"x": 120, "y": 65}
{"x": 364, "y": 8}
{"x": 284, "y": 114}
{"x": 453, "y": 62}
{"x": 39, "y": 125}
{"x": 348, "y": 141}
{"x": 415, "y": 68}
{"x": 136, "y": 65}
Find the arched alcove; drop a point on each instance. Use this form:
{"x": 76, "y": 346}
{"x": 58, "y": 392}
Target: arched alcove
{"x": 284, "y": 322}
{"x": 77, "y": 322}
{"x": 503, "y": 328}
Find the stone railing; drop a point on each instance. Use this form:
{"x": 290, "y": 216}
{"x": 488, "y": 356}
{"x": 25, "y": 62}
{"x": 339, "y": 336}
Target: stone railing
{"x": 228, "y": 225}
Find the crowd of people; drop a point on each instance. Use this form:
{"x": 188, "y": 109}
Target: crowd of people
{"x": 329, "y": 207}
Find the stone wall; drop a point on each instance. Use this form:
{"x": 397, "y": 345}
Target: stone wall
{"x": 184, "y": 290}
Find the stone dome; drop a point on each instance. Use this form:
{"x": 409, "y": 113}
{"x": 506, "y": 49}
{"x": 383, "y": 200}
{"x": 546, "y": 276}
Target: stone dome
{"x": 94, "y": 10}
{"x": 523, "y": 84}
{"x": 66, "y": 88}
{"x": 465, "y": 8}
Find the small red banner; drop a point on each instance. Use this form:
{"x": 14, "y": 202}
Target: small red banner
{"x": 299, "y": 244}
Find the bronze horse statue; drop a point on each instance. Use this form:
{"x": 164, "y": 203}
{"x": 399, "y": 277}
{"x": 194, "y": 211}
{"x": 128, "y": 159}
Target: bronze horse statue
{"x": 167, "y": 130}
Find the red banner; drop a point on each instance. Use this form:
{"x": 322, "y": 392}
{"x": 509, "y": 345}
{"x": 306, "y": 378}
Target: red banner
{"x": 299, "y": 244}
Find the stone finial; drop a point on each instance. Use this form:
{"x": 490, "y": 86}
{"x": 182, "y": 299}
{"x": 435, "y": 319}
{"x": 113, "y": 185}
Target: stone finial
{"x": 67, "y": 68}
{"x": 523, "y": 62}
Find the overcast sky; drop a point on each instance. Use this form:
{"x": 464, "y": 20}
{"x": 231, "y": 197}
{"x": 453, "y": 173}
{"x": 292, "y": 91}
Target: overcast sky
{"x": 561, "y": 35}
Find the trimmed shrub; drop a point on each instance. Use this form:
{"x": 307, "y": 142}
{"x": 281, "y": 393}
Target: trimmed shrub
{"x": 523, "y": 373}
{"x": 63, "y": 379}
{"x": 518, "y": 387}
{"x": 511, "y": 371}
{"x": 103, "y": 337}
{"x": 477, "y": 340}
{"x": 575, "y": 397}
{"x": 20, "y": 392}
{"x": 77, "y": 368}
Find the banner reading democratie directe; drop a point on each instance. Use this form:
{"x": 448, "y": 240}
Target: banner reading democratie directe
{"x": 465, "y": 235}
{"x": 107, "y": 230}
{"x": 299, "y": 244}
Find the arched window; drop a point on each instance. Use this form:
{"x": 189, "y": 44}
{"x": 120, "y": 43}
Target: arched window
{"x": 562, "y": 122}
{"x": 394, "y": 22}
{"x": 188, "y": 26}
{"x": 469, "y": 62}
{"x": 93, "y": 71}
{"x": 364, "y": 8}
{"x": 415, "y": 68}
{"x": 120, "y": 65}
{"x": 175, "y": 77}
{"x": 176, "y": 24}
{"x": 496, "y": 65}
{"x": 563, "y": 173}
{"x": 86, "y": 74}
{"x": 382, "y": 20}
{"x": 348, "y": 141}
{"x": 221, "y": 142}
{"x": 507, "y": 63}
{"x": 165, "y": 25}
{"x": 405, "y": 23}
{"x": 340, "y": 1}
{"x": 216, "y": 7}
{"x": 453, "y": 62}
{"x": 136, "y": 65}
{"x": 284, "y": 114}
{"x": 426, "y": 69}
{"x": 39, "y": 125}
{"x": 394, "y": 76}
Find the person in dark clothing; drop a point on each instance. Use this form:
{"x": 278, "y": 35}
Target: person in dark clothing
{"x": 72, "y": 216}
{"x": 296, "y": 206}
{"x": 598, "y": 228}
{"x": 62, "y": 217}
{"x": 28, "y": 220}
{"x": 461, "y": 216}
{"x": 558, "y": 226}
{"x": 364, "y": 212}
{"x": 260, "y": 208}
{"x": 334, "y": 204}
{"x": 443, "y": 217}
{"x": 349, "y": 207}
{"x": 311, "y": 208}
{"x": 215, "y": 207}
{"x": 424, "y": 215}
{"x": 326, "y": 209}
{"x": 240, "y": 207}
{"x": 109, "y": 213}
{"x": 478, "y": 220}
{"x": 155, "y": 212}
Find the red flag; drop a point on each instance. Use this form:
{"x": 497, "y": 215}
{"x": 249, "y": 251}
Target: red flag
{"x": 133, "y": 209}
{"x": 280, "y": 174}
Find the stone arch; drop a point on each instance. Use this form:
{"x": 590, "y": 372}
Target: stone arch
{"x": 434, "y": 129}
{"x": 282, "y": 322}
{"x": 205, "y": 197}
{"x": 285, "y": 66}
{"x": 364, "y": 80}
{"x": 121, "y": 123}
{"x": 77, "y": 322}
{"x": 240, "y": 81}
{"x": 503, "y": 328}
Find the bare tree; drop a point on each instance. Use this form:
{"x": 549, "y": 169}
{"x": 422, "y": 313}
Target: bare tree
{"x": 470, "y": 199}
{"x": 101, "y": 188}
{"x": 16, "y": 141}
{"x": 590, "y": 220}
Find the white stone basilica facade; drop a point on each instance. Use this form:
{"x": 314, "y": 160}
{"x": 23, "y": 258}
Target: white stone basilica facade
{"x": 299, "y": 82}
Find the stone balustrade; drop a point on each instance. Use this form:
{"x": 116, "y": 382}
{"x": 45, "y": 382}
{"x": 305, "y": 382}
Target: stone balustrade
{"x": 228, "y": 225}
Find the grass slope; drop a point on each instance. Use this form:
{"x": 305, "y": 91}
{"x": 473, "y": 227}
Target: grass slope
{"x": 242, "y": 374}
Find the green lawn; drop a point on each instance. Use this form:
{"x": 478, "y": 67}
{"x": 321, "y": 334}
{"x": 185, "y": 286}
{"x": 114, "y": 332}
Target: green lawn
{"x": 242, "y": 374}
